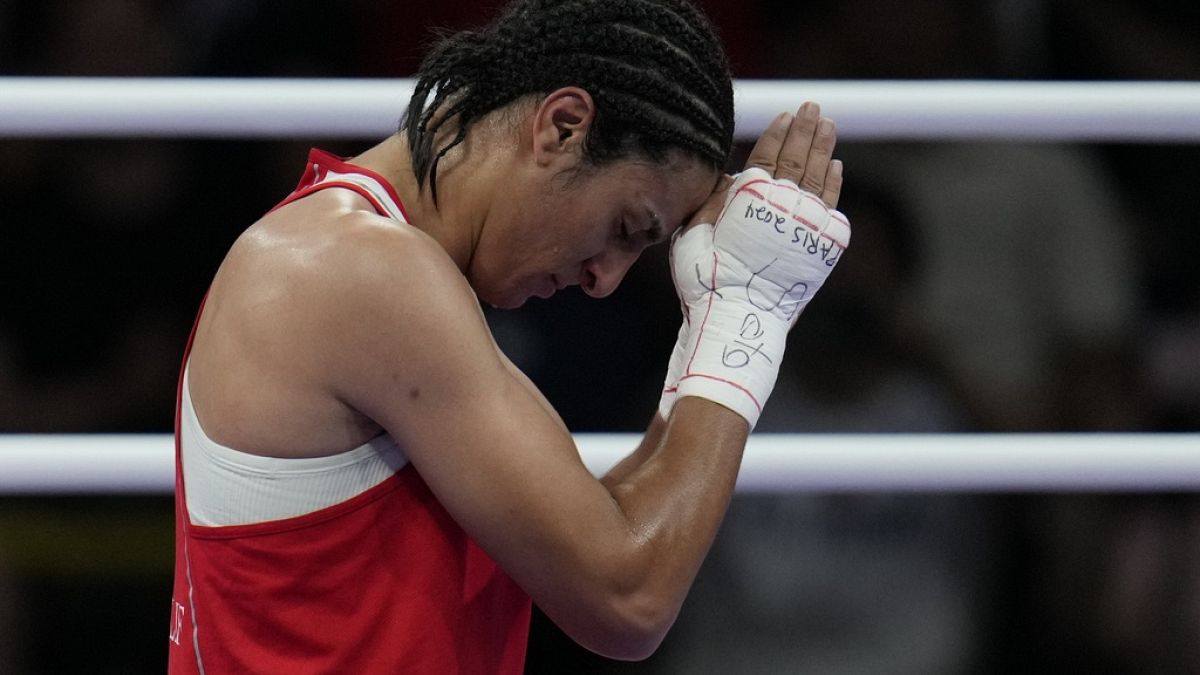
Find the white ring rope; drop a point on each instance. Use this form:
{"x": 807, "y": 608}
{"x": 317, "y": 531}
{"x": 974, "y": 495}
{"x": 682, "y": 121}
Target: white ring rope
{"x": 365, "y": 108}
{"x": 124, "y": 464}
{"x": 875, "y": 110}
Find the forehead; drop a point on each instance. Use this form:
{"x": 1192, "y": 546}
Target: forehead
{"x": 665, "y": 192}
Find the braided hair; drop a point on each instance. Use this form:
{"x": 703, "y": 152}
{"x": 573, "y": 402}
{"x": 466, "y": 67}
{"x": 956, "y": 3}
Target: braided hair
{"x": 654, "y": 68}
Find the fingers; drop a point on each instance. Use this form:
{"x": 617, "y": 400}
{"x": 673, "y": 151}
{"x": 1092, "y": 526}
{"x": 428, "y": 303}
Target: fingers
{"x": 820, "y": 155}
{"x": 794, "y": 153}
{"x": 833, "y": 184}
{"x": 765, "y": 154}
{"x": 799, "y": 148}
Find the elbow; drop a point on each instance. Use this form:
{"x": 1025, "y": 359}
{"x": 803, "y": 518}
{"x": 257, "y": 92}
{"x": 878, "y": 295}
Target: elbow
{"x": 618, "y": 599}
{"x": 627, "y": 627}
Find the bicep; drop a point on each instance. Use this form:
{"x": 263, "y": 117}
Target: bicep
{"x": 532, "y": 390}
{"x": 486, "y": 442}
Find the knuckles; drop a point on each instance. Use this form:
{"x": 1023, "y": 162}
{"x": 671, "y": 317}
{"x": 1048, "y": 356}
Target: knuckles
{"x": 771, "y": 229}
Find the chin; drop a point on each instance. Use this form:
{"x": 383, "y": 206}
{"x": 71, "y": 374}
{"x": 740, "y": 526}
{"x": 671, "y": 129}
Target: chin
{"x": 507, "y": 305}
{"x": 500, "y": 301}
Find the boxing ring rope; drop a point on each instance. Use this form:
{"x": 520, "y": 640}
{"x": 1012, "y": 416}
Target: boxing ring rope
{"x": 366, "y": 108}
{"x": 774, "y": 463}
{"x": 865, "y": 110}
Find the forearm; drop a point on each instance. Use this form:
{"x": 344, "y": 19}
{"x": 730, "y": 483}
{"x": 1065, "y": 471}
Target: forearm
{"x": 650, "y": 442}
{"x": 675, "y": 499}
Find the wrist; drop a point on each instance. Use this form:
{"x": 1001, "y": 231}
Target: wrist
{"x": 674, "y": 371}
{"x": 733, "y": 356}
{"x": 690, "y": 410}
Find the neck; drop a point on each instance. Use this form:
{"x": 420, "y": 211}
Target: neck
{"x": 456, "y": 222}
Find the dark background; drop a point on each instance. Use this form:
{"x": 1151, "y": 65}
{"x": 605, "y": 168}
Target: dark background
{"x": 992, "y": 287}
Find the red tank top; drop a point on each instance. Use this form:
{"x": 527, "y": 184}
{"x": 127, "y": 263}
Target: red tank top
{"x": 384, "y": 582}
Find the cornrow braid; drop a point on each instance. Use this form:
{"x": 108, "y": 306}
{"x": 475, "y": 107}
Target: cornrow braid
{"x": 654, "y": 68}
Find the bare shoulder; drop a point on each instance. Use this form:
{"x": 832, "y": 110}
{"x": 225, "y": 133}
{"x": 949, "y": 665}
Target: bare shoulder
{"x": 394, "y": 331}
{"x": 310, "y": 304}
{"x": 370, "y": 260}
{"x": 301, "y": 268}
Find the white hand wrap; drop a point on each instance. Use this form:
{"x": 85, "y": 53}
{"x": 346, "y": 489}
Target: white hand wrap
{"x": 742, "y": 282}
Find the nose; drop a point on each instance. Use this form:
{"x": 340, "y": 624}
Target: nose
{"x": 603, "y": 273}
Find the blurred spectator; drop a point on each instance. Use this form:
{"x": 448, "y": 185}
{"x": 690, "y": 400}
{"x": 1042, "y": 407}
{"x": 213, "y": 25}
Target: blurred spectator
{"x": 840, "y": 584}
{"x": 1171, "y": 353}
{"x": 858, "y": 360}
{"x": 1028, "y": 285}
{"x": 852, "y": 583}
{"x": 1027, "y": 289}
{"x": 90, "y": 340}
{"x": 1116, "y": 585}
{"x": 1157, "y": 40}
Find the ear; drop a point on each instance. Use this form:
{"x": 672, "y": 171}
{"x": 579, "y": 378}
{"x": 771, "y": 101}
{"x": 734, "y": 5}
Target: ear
{"x": 560, "y": 124}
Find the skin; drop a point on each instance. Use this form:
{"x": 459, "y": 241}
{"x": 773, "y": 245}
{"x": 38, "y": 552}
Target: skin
{"x": 327, "y": 325}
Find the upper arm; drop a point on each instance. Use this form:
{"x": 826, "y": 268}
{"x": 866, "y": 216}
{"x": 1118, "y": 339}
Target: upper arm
{"x": 409, "y": 347}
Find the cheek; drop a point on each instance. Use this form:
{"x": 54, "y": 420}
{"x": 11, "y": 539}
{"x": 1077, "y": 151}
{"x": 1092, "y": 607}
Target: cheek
{"x": 566, "y": 226}
{"x": 570, "y": 233}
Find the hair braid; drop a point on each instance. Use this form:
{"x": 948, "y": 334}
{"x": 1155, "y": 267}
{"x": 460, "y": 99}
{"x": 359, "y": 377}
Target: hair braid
{"x": 655, "y": 69}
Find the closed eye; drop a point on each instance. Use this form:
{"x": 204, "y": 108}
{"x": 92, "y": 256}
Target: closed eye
{"x": 627, "y": 237}
{"x": 656, "y": 233}
{"x": 639, "y": 239}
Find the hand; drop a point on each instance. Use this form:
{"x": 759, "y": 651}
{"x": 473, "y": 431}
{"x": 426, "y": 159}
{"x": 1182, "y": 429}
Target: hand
{"x": 793, "y": 147}
{"x": 747, "y": 274}
{"x": 799, "y": 148}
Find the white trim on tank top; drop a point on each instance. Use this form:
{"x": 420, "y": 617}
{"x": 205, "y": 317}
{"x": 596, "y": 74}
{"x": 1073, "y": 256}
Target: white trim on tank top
{"x": 372, "y": 186}
{"x": 225, "y": 486}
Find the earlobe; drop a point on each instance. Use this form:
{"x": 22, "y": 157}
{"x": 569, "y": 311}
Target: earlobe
{"x": 560, "y": 124}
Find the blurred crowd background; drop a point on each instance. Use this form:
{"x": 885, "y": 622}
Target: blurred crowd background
{"x": 992, "y": 286}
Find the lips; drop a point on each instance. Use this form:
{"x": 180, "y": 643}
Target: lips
{"x": 548, "y": 289}
{"x": 553, "y": 284}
